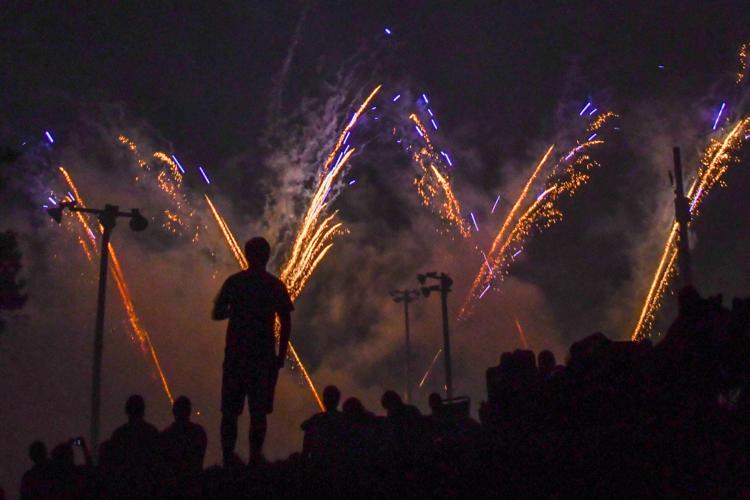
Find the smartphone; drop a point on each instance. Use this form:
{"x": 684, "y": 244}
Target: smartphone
{"x": 77, "y": 442}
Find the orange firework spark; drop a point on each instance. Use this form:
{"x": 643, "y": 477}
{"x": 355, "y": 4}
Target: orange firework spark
{"x": 140, "y": 333}
{"x": 433, "y": 182}
{"x": 429, "y": 368}
{"x": 164, "y": 157}
{"x": 714, "y": 164}
{"x": 349, "y": 126}
{"x": 85, "y": 248}
{"x": 135, "y": 323}
{"x": 743, "y": 63}
{"x": 228, "y": 236}
{"x": 521, "y": 335}
{"x": 314, "y": 234}
{"x": 543, "y": 213}
{"x": 500, "y": 238}
{"x": 600, "y": 120}
{"x": 169, "y": 181}
{"x": 134, "y": 148}
{"x": 565, "y": 177}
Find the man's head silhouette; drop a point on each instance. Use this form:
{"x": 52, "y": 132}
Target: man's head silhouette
{"x": 331, "y": 397}
{"x": 38, "y": 452}
{"x": 181, "y": 409}
{"x": 546, "y": 362}
{"x": 353, "y": 406}
{"x": 135, "y": 407}
{"x": 257, "y": 251}
{"x": 435, "y": 401}
{"x": 391, "y": 402}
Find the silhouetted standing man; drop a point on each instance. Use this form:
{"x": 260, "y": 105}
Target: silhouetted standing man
{"x": 251, "y": 299}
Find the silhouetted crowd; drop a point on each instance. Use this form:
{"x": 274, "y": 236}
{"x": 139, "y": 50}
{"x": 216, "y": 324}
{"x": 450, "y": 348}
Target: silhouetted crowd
{"x": 618, "y": 419}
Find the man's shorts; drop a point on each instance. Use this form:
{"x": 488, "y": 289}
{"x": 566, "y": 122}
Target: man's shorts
{"x": 252, "y": 378}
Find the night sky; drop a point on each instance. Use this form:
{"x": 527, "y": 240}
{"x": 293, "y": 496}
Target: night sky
{"x": 505, "y": 79}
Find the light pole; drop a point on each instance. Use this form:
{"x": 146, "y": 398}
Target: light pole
{"x": 444, "y": 287}
{"x": 406, "y": 296}
{"x": 107, "y": 218}
{"x": 682, "y": 216}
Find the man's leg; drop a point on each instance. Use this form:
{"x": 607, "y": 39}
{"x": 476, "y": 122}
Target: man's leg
{"x": 232, "y": 400}
{"x": 228, "y": 436}
{"x": 258, "y": 426}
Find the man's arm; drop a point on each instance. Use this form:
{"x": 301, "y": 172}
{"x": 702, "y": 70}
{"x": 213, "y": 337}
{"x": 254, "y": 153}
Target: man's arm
{"x": 285, "y": 318}
{"x": 221, "y": 304}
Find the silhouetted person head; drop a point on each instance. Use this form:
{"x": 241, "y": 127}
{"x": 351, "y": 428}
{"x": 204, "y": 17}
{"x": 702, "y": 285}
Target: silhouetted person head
{"x": 38, "y": 452}
{"x": 181, "y": 409}
{"x": 506, "y": 359}
{"x": 257, "y": 251}
{"x": 331, "y": 397}
{"x": 546, "y": 361}
{"x": 435, "y": 402}
{"x": 353, "y": 406}
{"x": 391, "y": 402}
{"x": 135, "y": 407}
{"x": 524, "y": 360}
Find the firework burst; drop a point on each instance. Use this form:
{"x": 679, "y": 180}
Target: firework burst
{"x": 567, "y": 175}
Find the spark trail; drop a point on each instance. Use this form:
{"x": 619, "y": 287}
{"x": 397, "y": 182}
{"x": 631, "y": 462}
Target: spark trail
{"x": 521, "y": 334}
{"x": 138, "y": 330}
{"x": 429, "y": 368}
{"x": 228, "y": 236}
{"x": 316, "y": 231}
{"x": 742, "y": 71}
{"x": 568, "y": 174}
{"x": 434, "y": 185}
{"x": 500, "y": 238}
{"x": 169, "y": 181}
{"x": 715, "y": 162}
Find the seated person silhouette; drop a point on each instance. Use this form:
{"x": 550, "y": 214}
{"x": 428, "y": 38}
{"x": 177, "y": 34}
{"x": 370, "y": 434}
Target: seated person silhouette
{"x": 359, "y": 428}
{"x": 324, "y": 431}
{"x": 68, "y": 479}
{"x": 36, "y": 482}
{"x": 404, "y": 425}
{"x": 132, "y": 450}
{"x": 546, "y": 364}
{"x": 252, "y": 300}
{"x": 183, "y": 443}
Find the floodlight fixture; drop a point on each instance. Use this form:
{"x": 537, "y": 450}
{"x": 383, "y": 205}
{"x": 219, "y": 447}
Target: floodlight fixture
{"x": 55, "y": 213}
{"x": 137, "y": 221}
